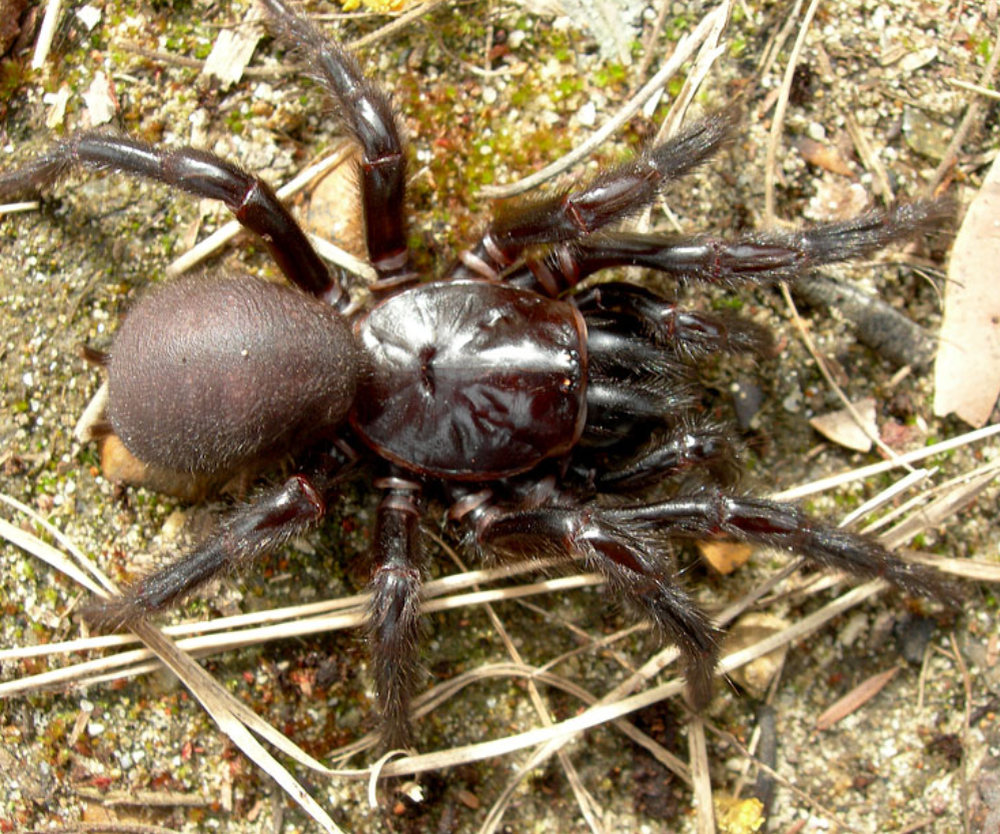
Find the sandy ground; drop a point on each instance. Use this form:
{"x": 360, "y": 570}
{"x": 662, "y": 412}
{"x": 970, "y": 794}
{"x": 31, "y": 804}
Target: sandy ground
{"x": 905, "y": 761}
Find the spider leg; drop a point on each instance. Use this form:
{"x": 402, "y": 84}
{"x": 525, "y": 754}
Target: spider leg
{"x": 367, "y": 113}
{"x": 620, "y": 410}
{"x": 252, "y": 201}
{"x": 248, "y": 533}
{"x": 715, "y": 514}
{"x": 634, "y": 385}
{"x": 758, "y": 258}
{"x": 643, "y": 421}
{"x": 612, "y": 195}
{"x": 635, "y": 569}
{"x": 393, "y": 621}
{"x": 689, "y": 446}
{"x": 624, "y": 543}
{"x": 687, "y": 333}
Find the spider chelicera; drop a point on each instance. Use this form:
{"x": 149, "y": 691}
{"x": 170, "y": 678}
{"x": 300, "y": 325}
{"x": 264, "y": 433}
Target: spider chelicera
{"x": 542, "y": 416}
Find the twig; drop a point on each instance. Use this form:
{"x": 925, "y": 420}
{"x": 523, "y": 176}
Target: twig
{"x": 770, "y": 170}
{"x": 298, "y": 628}
{"x": 587, "y": 804}
{"x": 969, "y": 122}
{"x": 876, "y": 324}
{"x": 103, "y": 828}
{"x": 777, "y": 42}
{"x": 974, "y": 88}
{"x": 685, "y": 48}
{"x": 610, "y": 708}
{"x": 394, "y": 26}
{"x": 966, "y": 733}
{"x": 862, "y": 472}
{"x": 649, "y": 41}
{"x": 161, "y": 799}
{"x": 232, "y": 228}
{"x": 12, "y": 208}
{"x": 700, "y": 775}
{"x": 870, "y": 159}
{"x": 386, "y": 31}
{"x": 734, "y": 742}
{"x": 825, "y": 371}
{"x": 46, "y": 33}
{"x": 708, "y": 53}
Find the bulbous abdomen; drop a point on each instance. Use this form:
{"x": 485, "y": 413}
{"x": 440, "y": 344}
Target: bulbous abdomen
{"x": 471, "y": 380}
{"x": 211, "y": 374}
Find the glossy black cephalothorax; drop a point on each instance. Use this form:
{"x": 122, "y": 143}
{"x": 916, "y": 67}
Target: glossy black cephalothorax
{"x": 498, "y": 389}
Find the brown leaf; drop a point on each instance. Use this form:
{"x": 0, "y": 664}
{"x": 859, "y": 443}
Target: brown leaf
{"x": 824, "y": 156}
{"x": 725, "y": 557}
{"x": 756, "y": 676}
{"x": 842, "y": 428}
{"x": 856, "y": 698}
{"x": 967, "y": 371}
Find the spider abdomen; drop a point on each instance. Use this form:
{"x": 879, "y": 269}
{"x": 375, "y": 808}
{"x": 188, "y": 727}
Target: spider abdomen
{"x": 472, "y": 380}
{"x": 208, "y": 375}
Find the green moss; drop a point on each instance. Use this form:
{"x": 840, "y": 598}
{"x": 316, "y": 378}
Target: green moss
{"x": 560, "y": 45}
{"x": 522, "y": 95}
{"x": 675, "y": 85}
{"x": 167, "y": 244}
{"x": 676, "y": 27}
{"x": 12, "y": 74}
{"x": 567, "y": 87}
{"x": 981, "y": 48}
{"x": 236, "y": 122}
{"x": 610, "y": 74}
{"x": 728, "y": 302}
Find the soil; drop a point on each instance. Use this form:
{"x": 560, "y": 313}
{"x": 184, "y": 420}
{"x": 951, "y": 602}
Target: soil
{"x": 916, "y": 757}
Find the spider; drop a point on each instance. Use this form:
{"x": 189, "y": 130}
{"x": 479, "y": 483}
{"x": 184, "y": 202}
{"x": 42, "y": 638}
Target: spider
{"x": 543, "y": 416}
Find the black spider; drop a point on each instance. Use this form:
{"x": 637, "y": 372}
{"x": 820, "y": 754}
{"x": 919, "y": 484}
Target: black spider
{"x": 487, "y": 390}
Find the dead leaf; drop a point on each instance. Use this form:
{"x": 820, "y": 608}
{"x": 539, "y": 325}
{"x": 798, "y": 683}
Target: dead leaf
{"x": 725, "y": 557}
{"x": 332, "y": 209}
{"x": 100, "y": 100}
{"x": 756, "y": 676}
{"x": 855, "y": 699}
{"x": 824, "y": 156}
{"x": 841, "y": 427}
{"x": 967, "y": 370}
{"x": 233, "y": 49}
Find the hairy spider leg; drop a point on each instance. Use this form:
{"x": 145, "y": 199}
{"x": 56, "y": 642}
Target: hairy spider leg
{"x": 641, "y": 413}
{"x": 636, "y": 571}
{"x": 756, "y": 258}
{"x": 626, "y": 543}
{"x": 612, "y": 195}
{"x": 688, "y": 334}
{"x": 638, "y": 343}
{"x": 252, "y": 201}
{"x": 716, "y": 514}
{"x": 367, "y": 113}
{"x": 248, "y": 533}
{"x": 694, "y": 444}
{"x": 394, "y": 621}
